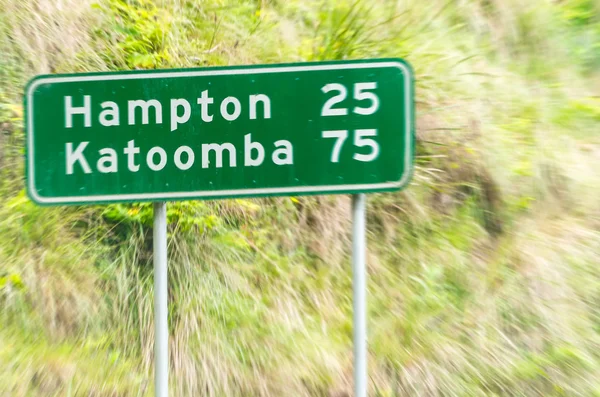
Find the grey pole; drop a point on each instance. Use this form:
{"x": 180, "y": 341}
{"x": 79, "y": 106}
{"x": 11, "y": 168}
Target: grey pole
{"x": 161, "y": 329}
{"x": 359, "y": 289}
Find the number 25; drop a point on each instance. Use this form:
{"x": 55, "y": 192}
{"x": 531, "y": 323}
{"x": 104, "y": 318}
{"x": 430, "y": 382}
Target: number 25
{"x": 360, "y": 94}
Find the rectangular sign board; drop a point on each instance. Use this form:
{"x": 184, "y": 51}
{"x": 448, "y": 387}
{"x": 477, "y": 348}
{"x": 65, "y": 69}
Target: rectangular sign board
{"x": 290, "y": 129}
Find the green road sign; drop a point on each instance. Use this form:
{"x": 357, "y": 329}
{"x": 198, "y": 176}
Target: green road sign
{"x": 291, "y": 129}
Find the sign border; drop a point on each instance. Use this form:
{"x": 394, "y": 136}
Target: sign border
{"x": 221, "y": 71}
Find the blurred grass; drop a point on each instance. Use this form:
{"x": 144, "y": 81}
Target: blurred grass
{"x": 483, "y": 274}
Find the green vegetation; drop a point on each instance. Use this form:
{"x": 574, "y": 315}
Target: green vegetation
{"x": 484, "y": 276}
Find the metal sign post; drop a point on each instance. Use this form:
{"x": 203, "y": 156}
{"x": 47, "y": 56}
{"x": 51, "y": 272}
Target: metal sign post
{"x": 359, "y": 289}
{"x": 161, "y": 327}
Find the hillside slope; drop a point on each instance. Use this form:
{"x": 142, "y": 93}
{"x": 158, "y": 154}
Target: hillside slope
{"x": 483, "y": 273}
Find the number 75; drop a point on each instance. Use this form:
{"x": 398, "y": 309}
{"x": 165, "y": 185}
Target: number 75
{"x": 360, "y": 140}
